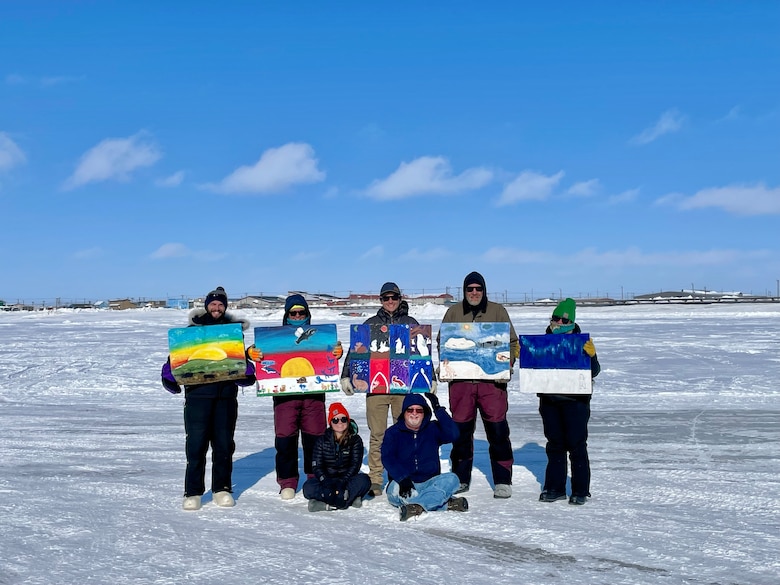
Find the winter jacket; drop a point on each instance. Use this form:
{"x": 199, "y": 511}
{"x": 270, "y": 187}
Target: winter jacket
{"x": 415, "y": 454}
{"x": 595, "y": 368}
{"x": 331, "y": 460}
{"x": 399, "y": 316}
{"x": 222, "y": 389}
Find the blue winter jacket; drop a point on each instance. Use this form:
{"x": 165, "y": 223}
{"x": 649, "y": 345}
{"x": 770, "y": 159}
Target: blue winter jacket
{"x": 415, "y": 454}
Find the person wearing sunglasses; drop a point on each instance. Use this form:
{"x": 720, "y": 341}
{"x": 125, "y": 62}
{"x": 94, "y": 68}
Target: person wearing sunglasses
{"x": 210, "y": 415}
{"x": 296, "y": 414}
{"x": 488, "y": 397}
{"x": 337, "y": 482}
{"x": 410, "y": 452}
{"x": 565, "y": 421}
{"x": 393, "y": 310}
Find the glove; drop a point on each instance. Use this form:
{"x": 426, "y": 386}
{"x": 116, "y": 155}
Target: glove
{"x": 405, "y": 487}
{"x": 346, "y": 387}
{"x": 254, "y": 353}
{"x": 168, "y": 381}
{"x": 338, "y": 351}
{"x": 433, "y": 401}
{"x": 589, "y": 348}
{"x": 433, "y": 386}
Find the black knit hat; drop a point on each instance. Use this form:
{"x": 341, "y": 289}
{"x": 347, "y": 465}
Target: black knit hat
{"x": 218, "y": 294}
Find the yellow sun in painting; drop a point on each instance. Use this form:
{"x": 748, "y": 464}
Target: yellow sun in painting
{"x": 297, "y": 367}
{"x": 213, "y": 354}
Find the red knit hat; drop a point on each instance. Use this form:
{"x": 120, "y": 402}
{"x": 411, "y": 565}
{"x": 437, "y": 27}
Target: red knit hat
{"x": 337, "y": 409}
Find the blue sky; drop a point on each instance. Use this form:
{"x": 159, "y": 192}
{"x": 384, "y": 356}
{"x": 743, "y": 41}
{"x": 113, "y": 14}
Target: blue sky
{"x": 153, "y": 149}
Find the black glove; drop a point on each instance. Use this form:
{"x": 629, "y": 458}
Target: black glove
{"x": 405, "y": 487}
{"x": 433, "y": 400}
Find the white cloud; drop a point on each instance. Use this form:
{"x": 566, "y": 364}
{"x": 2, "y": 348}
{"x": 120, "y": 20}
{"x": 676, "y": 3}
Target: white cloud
{"x": 15, "y": 79}
{"x": 585, "y": 188}
{"x": 427, "y": 175}
{"x": 114, "y": 158}
{"x": 10, "y": 154}
{"x": 277, "y": 170}
{"x": 432, "y": 255}
{"x": 177, "y": 250}
{"x": 375, "y": 252}
{"x": 631, "y": 257}
{"x": 738, "y": 199}
{"x": 624, "y": 197}
{"x": 529, "y": 186}
{"x": 670, "y": 121}
{"x": 173, "y": 180}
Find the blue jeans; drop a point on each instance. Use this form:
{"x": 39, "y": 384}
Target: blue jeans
{"x": 431, "y": 494}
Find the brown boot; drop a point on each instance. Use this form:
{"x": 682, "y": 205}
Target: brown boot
{"x": 457, "y": 504}
{"x": 410, "y": 510}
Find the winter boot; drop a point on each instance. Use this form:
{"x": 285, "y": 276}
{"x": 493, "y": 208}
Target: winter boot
{"x": 462, "y": 488}
{"x": 191, "y": 503}
{"x": 502, "y": 491}
{"x": 288, "y": 494}
{"x": 317, "y": 506}
{"x": 224, "y": 500}
{"x": 457, "y": 504}
{"x": 550, "y": 496}
{"x": 410, "y": 510}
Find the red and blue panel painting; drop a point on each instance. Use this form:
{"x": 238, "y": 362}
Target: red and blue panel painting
{"x": 555, "y": 364}
{"x": 296, "y": 360}
{"x": 204, "y": 354}
{"x": 390, "y": 359}
{"x": 474, "y": 351}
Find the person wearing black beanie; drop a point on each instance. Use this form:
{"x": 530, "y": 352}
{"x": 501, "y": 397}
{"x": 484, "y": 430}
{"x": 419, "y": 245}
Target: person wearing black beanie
{"x": 488, "y": 397}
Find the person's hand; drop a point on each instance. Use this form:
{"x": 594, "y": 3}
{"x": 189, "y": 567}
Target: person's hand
{"x": 405, "y": 487}
{"x": 255, "y": 354}
{"x": 346, "y": 387}
{"x": 589, "y": 348}
{"x": 433, "y": 386}
{"x": 338, "y": 351}
{"x": 433, "y": 400}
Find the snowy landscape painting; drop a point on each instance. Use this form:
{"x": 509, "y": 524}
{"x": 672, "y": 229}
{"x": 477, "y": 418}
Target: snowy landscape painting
{"x": 684, "y": 446}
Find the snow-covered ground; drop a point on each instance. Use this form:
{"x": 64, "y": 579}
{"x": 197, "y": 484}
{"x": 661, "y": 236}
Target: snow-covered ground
{"x": 685, "y": 453}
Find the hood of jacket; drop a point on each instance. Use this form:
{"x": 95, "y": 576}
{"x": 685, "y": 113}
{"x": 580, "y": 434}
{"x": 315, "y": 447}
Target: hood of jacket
{"x": 290, "y": 302}
{"x": 416, "y": 399}
{"x": 475, "y": 278}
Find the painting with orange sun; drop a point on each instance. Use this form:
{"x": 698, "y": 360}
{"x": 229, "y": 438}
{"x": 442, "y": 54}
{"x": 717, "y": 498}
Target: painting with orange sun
{"x": 207, "y": 353}
{"x": 296, "y": 360}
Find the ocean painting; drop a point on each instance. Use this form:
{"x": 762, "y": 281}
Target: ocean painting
{"x": 296, "y": 360}
{"x": 390, "y": 359}
{"x": 207, "y": 353}
{"x": 474, "y": 351}
{"x": 554, "y": 364}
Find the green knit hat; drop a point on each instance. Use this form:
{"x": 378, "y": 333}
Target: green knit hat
{"x": 566, "y": 309}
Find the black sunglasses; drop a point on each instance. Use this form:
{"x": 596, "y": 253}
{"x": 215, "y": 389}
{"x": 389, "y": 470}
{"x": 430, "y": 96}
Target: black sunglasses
{"x": 336, "y": 420}
{"x": 297, "y": 313}
{"x": 563, "y": 320}
{"x": 392, "y": 297}
{"x": 473, "y": 289}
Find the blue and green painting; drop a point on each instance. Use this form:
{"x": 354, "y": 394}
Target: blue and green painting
{"x": 474, "y": 351}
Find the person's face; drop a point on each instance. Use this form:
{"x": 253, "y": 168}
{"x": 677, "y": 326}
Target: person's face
{"x": 296, "y": 314}
{"x": 339, "y": 423}
{"x": 474, "y": 294}
{"x": 557, "y": 322}
{"x": 216, "y": 309}
{"x": 390, "y": 301}
{"x": 413, "y": 416}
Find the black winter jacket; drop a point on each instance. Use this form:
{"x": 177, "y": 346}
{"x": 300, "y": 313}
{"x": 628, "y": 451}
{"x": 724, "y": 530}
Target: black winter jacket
{"x": 331, "y": 460}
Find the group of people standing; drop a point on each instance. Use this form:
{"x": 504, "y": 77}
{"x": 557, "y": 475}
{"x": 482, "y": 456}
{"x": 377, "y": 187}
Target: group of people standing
{"x": 409, "y": 450}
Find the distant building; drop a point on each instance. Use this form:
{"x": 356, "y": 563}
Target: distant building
{"x": 122, "y": 304}
{"x": 177, "y": 304}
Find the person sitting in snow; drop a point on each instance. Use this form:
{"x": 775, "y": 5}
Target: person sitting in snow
{"x": 210, "y": 414}
{"x": 337, "y": 482}
{"x": 410, "y": 453}
{"x": 565, "y": 420}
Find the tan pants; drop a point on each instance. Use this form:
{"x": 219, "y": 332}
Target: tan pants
{"x": 376, "y": 416}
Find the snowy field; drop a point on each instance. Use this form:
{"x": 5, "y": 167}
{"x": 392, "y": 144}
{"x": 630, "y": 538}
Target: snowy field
{"x": 684, "y": 446}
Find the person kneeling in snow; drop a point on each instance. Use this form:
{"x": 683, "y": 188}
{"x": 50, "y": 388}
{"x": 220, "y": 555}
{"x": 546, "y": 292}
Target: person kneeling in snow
{"x": 410, "y": 453}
